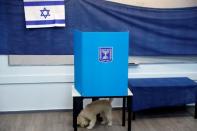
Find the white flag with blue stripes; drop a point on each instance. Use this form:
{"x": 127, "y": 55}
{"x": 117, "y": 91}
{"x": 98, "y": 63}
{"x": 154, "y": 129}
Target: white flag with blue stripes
{"x": 44, "y": 13}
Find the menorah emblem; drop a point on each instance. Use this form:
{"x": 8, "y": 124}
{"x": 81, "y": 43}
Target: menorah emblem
{"x": 105, "y": 54}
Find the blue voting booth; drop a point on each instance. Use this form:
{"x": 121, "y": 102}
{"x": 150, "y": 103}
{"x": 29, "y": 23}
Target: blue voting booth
{"x": 101, "y": 63}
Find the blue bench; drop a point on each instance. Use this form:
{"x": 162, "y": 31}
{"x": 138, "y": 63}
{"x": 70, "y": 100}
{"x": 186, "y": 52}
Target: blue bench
{"x": 160, "y": 92}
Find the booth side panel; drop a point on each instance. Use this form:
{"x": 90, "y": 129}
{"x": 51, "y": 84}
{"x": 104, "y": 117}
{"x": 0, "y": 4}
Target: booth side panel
{"x": 78, "y": 60}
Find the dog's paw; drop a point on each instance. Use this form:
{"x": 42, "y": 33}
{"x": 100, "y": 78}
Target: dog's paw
{"x": 103, "y": 122}
{"x": 109, "y": 124}
{"x": 89, "y": 127}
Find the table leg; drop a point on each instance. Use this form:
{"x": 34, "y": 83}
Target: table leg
{"x": 195, "y": 112}
{"x": 77, "y": 107}
{"x": 129, "y": 107}
{"x": 95, "y": 98}
{"x": 123, "y": 111}
{"x": 133, "y": 115}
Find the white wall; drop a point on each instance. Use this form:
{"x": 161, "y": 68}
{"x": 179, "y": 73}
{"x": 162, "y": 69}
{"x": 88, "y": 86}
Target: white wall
{"x": 49, "y": 87}
{"x": 25, "y": 88}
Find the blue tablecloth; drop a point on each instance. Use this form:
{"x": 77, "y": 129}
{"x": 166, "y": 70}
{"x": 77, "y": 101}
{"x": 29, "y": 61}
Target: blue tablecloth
{"x": 158, "y": 92}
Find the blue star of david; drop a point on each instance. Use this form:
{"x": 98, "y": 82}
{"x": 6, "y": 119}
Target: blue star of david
{"x": 44, "y": 12}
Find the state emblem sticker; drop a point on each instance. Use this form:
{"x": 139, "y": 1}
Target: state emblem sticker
{"x": 105, "y": 54}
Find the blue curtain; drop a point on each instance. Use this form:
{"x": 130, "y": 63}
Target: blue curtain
{"x": 153, "y": 32}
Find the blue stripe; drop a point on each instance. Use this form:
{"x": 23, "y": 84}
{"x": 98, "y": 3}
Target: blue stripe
{"x": 45, "y": 22}
{"x": 44, "y": 3}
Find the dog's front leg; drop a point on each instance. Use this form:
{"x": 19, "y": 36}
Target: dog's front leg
{"x": 103, "y": 118}
{"x": 109, "y": 117}
{"x": 92, "y": 123}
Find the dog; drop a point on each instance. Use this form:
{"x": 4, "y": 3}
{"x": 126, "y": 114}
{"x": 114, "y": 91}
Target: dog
{"x": 88, "y": 116}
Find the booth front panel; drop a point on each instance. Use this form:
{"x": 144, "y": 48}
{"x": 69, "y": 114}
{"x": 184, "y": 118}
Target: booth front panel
{"x": 101, "y": 63}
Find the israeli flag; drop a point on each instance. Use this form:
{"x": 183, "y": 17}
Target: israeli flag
{"x": 44, "y": 13}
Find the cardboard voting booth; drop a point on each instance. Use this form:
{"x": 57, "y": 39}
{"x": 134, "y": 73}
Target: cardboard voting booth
{"x": 101, "y": 63}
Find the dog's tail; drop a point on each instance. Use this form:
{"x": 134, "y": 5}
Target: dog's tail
{"x": 110, "y": 100}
